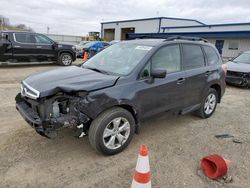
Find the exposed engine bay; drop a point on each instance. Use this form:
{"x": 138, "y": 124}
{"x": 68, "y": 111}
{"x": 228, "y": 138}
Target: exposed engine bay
{"x": 48, "y": 115}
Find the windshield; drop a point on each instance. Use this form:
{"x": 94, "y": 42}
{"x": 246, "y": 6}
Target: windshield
{"x": 119, "y": 58}
{"x": 243, "y": 58}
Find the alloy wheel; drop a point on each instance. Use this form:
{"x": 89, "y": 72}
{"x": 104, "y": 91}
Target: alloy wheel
{"x": 116, "y": 133}
{"x": 66, "y": 59}
{"x": 210, "y": 103}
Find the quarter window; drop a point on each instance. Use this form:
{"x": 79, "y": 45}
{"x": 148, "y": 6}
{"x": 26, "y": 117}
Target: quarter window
{"x": 25, "y": 38}
{"x": 212, "y": 57}
{"x": 146, "y": 71}
{"x": 168, "y": 58}
{"x": 193, "y": 56}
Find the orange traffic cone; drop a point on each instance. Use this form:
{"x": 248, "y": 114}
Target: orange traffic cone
{"x": 85, "y": 56}
{"x": 142, "y": 176}
{"x": 215, "y": 166}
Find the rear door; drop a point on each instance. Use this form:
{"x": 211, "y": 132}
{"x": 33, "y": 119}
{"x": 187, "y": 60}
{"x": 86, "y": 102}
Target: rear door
{"x": 196, "y": 73}
{"x": 162, "y": 94}
{"x": 24, "y": 47}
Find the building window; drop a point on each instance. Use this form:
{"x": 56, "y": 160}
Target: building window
{"x": 233, "y": 45}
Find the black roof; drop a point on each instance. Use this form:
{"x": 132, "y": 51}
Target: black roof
{"x": 151, "y": 41}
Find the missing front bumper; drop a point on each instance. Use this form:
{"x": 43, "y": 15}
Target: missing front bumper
{"x": 32, "y": 118}
{"x": 238, "y": 81}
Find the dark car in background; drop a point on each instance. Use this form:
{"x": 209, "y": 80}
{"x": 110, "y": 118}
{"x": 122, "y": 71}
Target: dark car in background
{"x": 113, "y": 92}
{"x": 239, "y": 70}
{"x": 27, "y": 47}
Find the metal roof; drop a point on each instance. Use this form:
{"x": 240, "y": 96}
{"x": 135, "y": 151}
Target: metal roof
{"x": 153, "y": 18}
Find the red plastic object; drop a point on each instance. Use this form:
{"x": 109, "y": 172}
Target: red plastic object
{"x": 214, "y": 166}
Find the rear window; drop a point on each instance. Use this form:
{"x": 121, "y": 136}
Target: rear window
{"x": 192, "y": 56}
{"x": 25, "y": 38}
{"x": 212, "y": 57}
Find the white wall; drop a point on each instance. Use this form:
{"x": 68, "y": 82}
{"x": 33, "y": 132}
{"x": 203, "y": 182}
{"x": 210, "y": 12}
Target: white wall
{"x": 70, "y": 39}
{"x": 244, "y": 45}
{"x": 146, "y": 26}
{"x": 177, "y": 23}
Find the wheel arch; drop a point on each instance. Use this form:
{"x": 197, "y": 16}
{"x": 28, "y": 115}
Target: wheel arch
{"x": 130, "y": 108}
{"x": 217, "y": 87}
{"x": 66, "y": 51}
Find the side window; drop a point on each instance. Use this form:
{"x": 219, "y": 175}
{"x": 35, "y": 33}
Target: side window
{"x": 168, "y": 58}
{"x": 40, "y": 39}
{"x": 25, "y": 38}
{"x": 212, "y": 57}
{"x": 192, "y": 56}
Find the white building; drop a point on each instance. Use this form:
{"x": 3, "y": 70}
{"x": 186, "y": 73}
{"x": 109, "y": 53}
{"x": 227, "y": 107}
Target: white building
{"x": 230, "y": 39}
{"x": 117, "y": 30}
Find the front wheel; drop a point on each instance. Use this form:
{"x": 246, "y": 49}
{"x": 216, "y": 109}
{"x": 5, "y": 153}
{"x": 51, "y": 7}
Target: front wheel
{"x": 65, "y": 59}
{"x": 112, "y": 131}
{"x": 208, "y": 104}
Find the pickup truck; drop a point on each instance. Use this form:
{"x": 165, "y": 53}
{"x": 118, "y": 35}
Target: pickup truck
{"x": 26, "y": 47}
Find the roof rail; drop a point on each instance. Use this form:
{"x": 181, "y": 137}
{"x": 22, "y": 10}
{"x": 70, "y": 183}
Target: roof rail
{"x": 186, "y": 38}
{"x": 172, "y": 37}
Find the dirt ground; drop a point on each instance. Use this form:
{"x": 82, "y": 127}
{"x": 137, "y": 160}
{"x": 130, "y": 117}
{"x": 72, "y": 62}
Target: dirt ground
{"x": 176, "y": 144}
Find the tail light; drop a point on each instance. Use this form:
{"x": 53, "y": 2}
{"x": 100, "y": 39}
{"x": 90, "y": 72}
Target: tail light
{"x": 224, "y": 67}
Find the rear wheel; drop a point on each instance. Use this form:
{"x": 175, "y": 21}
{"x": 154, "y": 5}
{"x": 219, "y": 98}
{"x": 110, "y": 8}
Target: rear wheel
{"x": 112, "y": 131}
{"x": 208, "y": 104}
{"x": 65, "y": 59}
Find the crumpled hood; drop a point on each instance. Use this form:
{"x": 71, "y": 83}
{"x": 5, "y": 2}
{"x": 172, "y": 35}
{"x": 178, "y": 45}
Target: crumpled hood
{"x": 238, "y": 67}
{"x": 69, "y": 79}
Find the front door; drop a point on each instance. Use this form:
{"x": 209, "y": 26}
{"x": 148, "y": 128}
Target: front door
{"x": 162, "y": 94}
{"x": 219, "y": 45}
{"x": 45, "y": 49}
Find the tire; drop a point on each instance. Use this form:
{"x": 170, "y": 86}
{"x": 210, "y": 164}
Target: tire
{"x": 207, "y": 108}
{"x": 104, "y": 123}
{"x": 65, "y": 59}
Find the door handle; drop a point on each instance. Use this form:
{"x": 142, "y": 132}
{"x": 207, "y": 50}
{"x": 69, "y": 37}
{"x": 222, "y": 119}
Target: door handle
{"x": 38, "y": 46}
{"x": 181, "y": 81}
{"x": 17, "y": 46}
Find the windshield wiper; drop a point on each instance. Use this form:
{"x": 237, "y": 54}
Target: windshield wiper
{"x": 97, "y": 70}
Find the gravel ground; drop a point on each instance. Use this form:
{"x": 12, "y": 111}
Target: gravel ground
{"x": 176, "y": 144}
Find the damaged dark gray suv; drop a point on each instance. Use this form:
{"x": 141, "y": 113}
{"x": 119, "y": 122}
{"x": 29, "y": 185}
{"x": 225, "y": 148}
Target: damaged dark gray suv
{"x": 109, "y": 95}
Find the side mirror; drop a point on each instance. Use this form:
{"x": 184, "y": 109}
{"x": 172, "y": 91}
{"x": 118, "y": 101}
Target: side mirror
{"x": 158, "y": 73}
{"x": 230, "y": 59}
{"x": 54, "y": 45}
